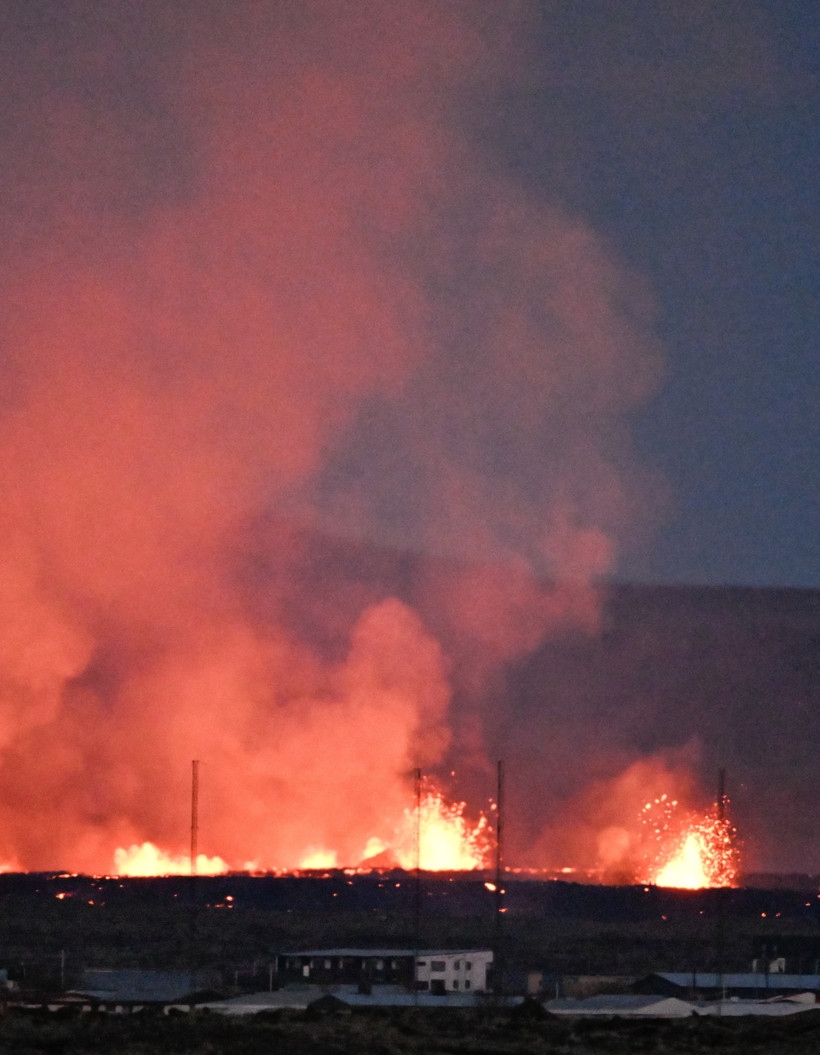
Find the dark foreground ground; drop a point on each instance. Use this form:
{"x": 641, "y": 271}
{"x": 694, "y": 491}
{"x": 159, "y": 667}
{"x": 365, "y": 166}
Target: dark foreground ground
{"x": 397, "y": 1032}
{"x": 53, "y": 927}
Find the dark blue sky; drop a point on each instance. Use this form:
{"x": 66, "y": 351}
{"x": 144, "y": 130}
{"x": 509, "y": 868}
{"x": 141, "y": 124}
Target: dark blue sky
{"x": 694, "y": 144}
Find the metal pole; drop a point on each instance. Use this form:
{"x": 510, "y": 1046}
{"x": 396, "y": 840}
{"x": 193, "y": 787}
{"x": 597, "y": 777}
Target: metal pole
{"x": 194, "y": 835}
{"x": 721, "y": 894}
{"x": 499, "y": 882}
{"x": 194, "y": 813}
{"x": 417, "y": 883}
{"x": 417, "y": 853}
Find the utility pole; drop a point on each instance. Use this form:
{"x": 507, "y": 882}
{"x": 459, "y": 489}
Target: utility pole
{"x": 417, "y": 882}
{"x": 721, "y": 893}
{"x": 498, "y": 942}
{"x": 417, "y": 856}
{"x": 194, "y": 813}
{"x": 194, "y": 837}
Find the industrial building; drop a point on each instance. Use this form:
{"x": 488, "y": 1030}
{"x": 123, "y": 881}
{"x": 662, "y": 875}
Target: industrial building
{"x": 430, "y": 970}
{"x": 710, "y": 985}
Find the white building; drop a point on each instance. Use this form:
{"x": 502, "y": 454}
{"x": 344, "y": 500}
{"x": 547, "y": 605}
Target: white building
{"x": 462, "y": 970}
{"x": 430, "y": 970}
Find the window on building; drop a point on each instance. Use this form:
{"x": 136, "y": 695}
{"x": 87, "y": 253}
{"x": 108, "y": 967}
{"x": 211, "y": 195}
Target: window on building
{"x": 438, "y": 965}
{"x": 421, "y": 963}
{"x": 422, "y": 985}
{"x": 467, "y": 983}
{"x": 457, "y": 965}
{"x": 469, "y": 965}
{"x": 455, "y": 983}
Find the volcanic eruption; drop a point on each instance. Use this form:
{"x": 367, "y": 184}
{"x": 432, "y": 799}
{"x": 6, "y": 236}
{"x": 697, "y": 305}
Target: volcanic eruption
{"x": 264, "y": 285}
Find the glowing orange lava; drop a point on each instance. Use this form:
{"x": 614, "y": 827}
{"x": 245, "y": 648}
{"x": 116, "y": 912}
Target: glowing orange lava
{"x": 688, "y": 868}
{"x": 688, "y": 850}
{"x": 146, "y": 859}
{"x": 447, "y": 841}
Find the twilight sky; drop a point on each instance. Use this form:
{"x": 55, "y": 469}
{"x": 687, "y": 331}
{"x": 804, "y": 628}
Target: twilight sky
{"x": 690, "y": 136}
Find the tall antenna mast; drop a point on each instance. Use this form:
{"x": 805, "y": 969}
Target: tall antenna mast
{"x": 194, "y": 813}
{"x": 417, "y": 882}
{"x": 499, "y": 880}
{"x": 720, "y": 895}
{"x": 417, "y": 853}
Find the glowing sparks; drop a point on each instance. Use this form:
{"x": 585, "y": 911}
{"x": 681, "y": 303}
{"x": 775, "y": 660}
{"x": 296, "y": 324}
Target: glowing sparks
{"x": 448, "y": 841}
{"x": 146, "y": 859}
{"x": 687, "y": 850}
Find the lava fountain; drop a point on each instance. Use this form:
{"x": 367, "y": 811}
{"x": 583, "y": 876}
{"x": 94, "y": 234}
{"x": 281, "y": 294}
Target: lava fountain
{"x": 436, "y": 834}
{"x": 688, "y": 850}
{"x": 448, "y": 841}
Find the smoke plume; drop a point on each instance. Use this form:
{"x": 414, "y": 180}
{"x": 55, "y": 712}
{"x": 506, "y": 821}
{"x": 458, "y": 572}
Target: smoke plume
{"x": 263, "y": 281}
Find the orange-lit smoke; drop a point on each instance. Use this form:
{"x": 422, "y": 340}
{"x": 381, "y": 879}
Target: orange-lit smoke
{"x": 257, "y": 272}
{"x": 434, "y": 835}
{"x": 643, "y": 827}
{"x": 687, "y": 848}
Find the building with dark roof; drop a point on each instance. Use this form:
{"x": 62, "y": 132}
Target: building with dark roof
{"x": 127, "y": 989}
{"x": 434, "y": 970}
{"x": 711, "y": 985}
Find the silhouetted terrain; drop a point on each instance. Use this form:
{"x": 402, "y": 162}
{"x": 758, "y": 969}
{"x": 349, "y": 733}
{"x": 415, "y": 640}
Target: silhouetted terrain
{"x": 414, "y": 1033}
{"x": 52, "y": 927}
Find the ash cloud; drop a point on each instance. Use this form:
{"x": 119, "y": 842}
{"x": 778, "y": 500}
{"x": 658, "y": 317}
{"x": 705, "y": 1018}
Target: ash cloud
{"x": 258, "y": 269}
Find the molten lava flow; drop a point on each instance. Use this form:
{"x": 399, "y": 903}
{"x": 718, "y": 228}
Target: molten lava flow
{"x": 147, "y": 859}
{"x": 688, "y": 850}
{"x": 437, "y": 837}
{"x": 319, "y": 859}
{"x": 446, "y": 842}
{"x": 688, "y": 868}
